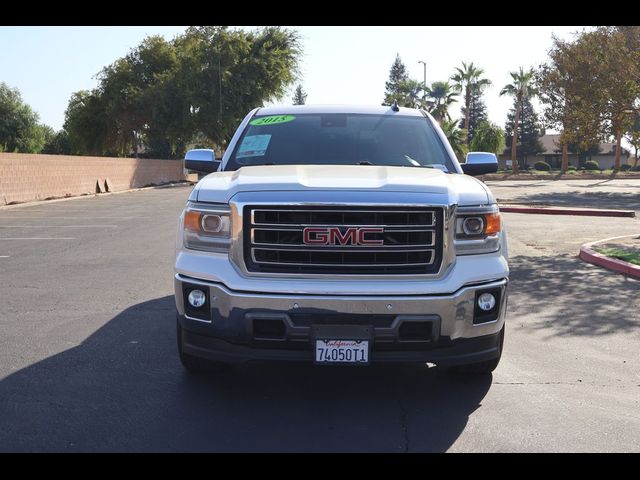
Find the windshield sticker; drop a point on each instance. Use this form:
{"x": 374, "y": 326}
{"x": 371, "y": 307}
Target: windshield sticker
{"x": 272, "y": 120}
{"x": 253, "y": 146}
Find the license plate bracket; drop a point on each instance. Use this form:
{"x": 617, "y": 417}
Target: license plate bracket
{"x": 342, "y": 344}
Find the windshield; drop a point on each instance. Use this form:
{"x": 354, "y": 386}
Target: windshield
{"x": 340, "y": 139}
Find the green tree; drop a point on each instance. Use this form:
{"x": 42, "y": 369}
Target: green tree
{"x": 440, "y": 96}
{"x": 299, "y": 96}
{"x": 529, "y": 129}
{"x": 590, "y": 86}
{"x": 229, "y": 72}
{"x": 394, "y": 87}
{"x": 58, "y": 144}
{"x": 477, "y": 112}
{"x": 456, "y": 137}
{"x": 48, "y": 134}
{"x": 616, "y": 76}
{"x": 564, "y": 106}
{"x": 20, "y": 130}
{"x": 489, "y": 137}
{"x": 520, "y": 88}
{"x": 90, "y": 131}
{"x": 131, "y": 86}
{"x": 469, "y": 79}
{"x": 164, "y": 93}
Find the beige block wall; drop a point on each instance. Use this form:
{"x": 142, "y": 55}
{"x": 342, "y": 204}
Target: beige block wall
{"x": 25, "y": 177}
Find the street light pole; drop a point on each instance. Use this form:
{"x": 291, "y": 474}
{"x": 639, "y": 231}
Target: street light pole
{"x": 424, "y": 64}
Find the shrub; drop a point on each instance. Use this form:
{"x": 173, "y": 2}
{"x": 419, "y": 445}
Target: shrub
{"x": 571, "y": 168}
{"x": 542, "y": 166}
{"x": 625, "y": 168}
{"x": 591, "y": 165}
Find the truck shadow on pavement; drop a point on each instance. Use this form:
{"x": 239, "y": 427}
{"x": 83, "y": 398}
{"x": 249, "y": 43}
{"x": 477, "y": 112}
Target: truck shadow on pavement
{"x": 123, "y": 389}
{"x": 569, "y": 297}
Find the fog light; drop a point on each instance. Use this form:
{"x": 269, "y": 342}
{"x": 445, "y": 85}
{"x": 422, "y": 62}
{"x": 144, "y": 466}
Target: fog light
{"x": 486, "y": 302}
{"x": 197, "y": 298}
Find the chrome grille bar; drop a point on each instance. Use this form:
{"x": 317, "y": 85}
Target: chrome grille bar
{"x": 412, "y": 240}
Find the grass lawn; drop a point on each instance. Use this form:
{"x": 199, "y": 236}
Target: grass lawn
{"x": 631, "y": 256}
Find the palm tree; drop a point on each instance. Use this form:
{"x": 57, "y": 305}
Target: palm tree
{"x": 456, "y": 137}
{"x": 467, "y": 79}
{"x": 442, "y": 95}
{"x": 489, "y": 137}
{"x": 521, "y": 88}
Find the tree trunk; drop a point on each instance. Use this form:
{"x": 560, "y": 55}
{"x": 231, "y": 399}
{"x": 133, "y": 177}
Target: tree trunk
{"x": 618, "y": 151}
{"x": 565, "y": 157}
{"x": 467, "y": 115}
{"x": 514, "y": 142}
{"x": 635, "y": 163}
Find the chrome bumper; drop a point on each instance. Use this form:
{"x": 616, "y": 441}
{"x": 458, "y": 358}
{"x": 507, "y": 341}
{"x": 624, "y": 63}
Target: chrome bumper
{"x": 232, "y": 312}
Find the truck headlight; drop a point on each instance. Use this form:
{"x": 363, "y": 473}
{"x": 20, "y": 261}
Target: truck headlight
{"x": 477, "y": 230}
{"x": 207, "y": 227}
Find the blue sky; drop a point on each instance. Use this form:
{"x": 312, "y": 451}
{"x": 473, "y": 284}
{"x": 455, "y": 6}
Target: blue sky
{"x": 339, "y": 64}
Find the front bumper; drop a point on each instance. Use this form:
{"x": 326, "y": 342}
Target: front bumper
{"x": 422, "y": 328}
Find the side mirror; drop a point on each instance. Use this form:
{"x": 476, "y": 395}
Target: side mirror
{"x": 479, "y": 163}
{"x": 201, "y": 160}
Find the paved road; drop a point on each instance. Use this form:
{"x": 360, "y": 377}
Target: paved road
{"x": 617, "y": 194}
{"x": 88, "y": 359}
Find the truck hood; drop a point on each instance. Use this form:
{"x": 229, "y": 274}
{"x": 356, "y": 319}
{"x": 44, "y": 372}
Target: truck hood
{"x": 220, "y": 187}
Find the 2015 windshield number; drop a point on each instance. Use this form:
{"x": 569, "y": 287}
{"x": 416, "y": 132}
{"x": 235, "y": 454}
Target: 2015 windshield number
{"x": 272, "y": 120}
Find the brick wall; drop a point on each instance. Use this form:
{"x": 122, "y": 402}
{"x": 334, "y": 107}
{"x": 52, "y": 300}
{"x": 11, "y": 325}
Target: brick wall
{"x": 25, "y": 177}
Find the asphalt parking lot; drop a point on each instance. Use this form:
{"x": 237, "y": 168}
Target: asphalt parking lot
{"x": 88, "y": 358}
{"x": 617, "y": 194}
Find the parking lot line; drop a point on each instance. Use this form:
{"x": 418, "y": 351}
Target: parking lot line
{"x": 70, "y": 217}
{"x": 37, "y": 238}
{"x": 58, "y": 226}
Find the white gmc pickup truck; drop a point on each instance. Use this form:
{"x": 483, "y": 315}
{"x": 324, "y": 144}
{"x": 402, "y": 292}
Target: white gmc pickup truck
{"x": 340, "y": 235}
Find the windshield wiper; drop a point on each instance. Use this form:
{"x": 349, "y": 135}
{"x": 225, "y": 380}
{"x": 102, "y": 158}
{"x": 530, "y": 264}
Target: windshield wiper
{"x": 364, "y": 162}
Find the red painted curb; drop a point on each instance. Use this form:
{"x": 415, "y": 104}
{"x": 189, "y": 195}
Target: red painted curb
{"x": 593, "y": 212}
{"x": 620, "y": 266}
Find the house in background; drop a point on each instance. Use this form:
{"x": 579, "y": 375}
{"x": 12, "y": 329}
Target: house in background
{"x": 552, "y": 154}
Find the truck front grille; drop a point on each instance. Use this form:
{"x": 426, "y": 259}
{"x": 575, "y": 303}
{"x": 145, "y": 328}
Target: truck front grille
{"x": 343, "y": 240}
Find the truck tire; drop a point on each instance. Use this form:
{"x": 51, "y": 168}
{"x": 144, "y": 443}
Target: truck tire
{"x": 196, "y": 364}
{"x": 481, "y": 368}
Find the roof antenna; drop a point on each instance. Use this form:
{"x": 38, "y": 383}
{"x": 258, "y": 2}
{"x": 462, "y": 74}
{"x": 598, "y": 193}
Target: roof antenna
{"x": 395, "y": 107}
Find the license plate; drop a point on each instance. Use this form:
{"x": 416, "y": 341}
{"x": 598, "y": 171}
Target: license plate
{"x": 342, "y": 351}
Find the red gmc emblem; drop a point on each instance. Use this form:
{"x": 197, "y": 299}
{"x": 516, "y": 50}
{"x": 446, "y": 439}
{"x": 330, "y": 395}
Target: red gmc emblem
{"x": 336, "y": 236}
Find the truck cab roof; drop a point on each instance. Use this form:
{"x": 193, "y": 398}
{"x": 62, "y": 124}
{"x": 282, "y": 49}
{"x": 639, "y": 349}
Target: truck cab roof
{"x": 328, "y": 109}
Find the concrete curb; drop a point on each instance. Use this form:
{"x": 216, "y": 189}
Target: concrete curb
{"x": 92, "y": 195}
{"x": 589, "y": 212}
{"x": 589, "y": 255}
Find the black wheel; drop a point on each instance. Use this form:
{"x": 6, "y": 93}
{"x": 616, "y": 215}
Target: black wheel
{"x": 196, "y": 364}
{"x": 480, "y": 368}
